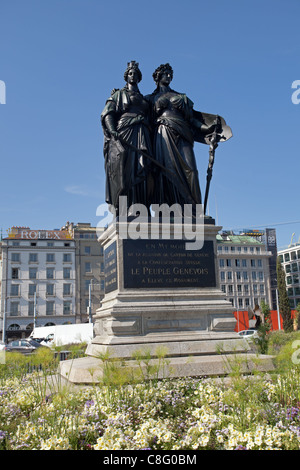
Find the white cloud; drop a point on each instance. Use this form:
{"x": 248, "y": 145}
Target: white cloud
{"x": 82, "y": 190}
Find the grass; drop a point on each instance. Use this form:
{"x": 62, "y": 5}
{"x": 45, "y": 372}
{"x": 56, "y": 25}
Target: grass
{"x": 133, "y": 409}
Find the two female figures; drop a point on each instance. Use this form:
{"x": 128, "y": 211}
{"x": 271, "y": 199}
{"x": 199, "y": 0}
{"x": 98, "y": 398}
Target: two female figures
{"x": 162, "y": 125}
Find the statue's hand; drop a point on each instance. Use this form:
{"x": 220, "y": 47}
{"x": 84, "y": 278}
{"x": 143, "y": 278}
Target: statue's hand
{"x": 114, "y": 134}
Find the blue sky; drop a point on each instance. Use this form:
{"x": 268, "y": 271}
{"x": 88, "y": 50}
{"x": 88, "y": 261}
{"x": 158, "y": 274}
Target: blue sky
{"x": 60, "y": 59}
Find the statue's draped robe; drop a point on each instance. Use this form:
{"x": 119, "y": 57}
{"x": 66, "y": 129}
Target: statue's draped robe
{"x": 126, "y": 169}
{"x": 173, "y": 143}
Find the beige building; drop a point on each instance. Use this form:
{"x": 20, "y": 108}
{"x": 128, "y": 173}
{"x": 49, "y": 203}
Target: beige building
{"x": 244, "y": 270}
{"x": 89, "y": 265}
{"x": 38, "y": 280}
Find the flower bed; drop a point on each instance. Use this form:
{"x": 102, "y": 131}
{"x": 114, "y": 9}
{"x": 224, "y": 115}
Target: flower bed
{"x": 254, "y": 412}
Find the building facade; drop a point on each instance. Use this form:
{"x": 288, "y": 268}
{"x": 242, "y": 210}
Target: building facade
{"x": 290, "y": 260}
{"x": 244, "y": 270}
{"x": 38, "y": 280}
{"x": 89, "y": 262}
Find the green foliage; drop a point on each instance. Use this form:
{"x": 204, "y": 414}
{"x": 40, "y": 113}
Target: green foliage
{"x": 284, "y": 305}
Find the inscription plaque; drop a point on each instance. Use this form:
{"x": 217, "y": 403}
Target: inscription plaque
{"x": 167, "y": 264}
{"x": 111, "y": 268}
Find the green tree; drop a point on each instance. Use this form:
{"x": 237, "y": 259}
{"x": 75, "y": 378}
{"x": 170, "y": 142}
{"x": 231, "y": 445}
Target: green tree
{"x": 284, "y": 305}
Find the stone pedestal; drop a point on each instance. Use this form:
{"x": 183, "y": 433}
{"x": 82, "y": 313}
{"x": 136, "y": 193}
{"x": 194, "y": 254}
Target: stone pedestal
{"x": 159, "y": 294}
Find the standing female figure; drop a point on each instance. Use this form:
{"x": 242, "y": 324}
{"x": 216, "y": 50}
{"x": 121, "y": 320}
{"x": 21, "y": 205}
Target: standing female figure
{"x": 174, "y": 122}
{"x": 126, "y": 129}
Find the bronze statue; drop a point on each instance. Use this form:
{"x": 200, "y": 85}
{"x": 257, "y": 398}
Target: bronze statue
{"x": 126, "y": 131}
{"x": 135, "y": 156}
{"x": 177, "y": 126}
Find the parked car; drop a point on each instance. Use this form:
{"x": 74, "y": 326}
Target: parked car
{"x": 24, "y": 346}
{"x": 248, "y": 333}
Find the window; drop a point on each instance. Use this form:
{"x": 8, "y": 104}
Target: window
{"x": 30, "y": 309}
{"x": 15, "y": 257}
{"x": 222, "y": 275}
{"x": 33, "y": 258}
{"x": 288, "y": 268}
{"x": 32, "y": 289}
{"x": 246, "y": 289}
{"x": 50, "y": 273}
{"x": 67, "y": 289}
{"x": 245, "y": 275}
{"x": 67, "y": 307}
{"x": 292, "y": 303}
{"x": 239, "y": 288}
{"x": 15, "y": 273}
{"x": 50, "y": 307}
{"x": 240, "y": 302}
{"x": 262, "y": 289}
{"x": 237, "y": 263}
{"x": 259, "y": 263}
{"x": 87, "y": 250}
{"x": 238, "y": 275}
{"x": 293, "y": 255}
{"x": 221, "y": 263}
{"x": 287, "y": 257}
{"x": 294, "y": 267}
{"x": 223, "y": 288}
{"x": 261, "y": 275}
{"x": 87, "y": 267}
{"x": 50, "y": 289}
{"x": 244, "y": 263}
{"x": 67, "y": 273}
{"x": 297, "y": 291}
{"x": 252, "y": 263}
{"x": 14, "y": 309}
{"x": 253, "y": 275}
{"x": 50, "y": 243}
{"x": 229, "y": 276}
{"x": 15, "y": 290}
{"x": 247, "y": 302}
{"x": 32, "y": 273}
{"x": 67, "y": 258}
{"x": 50, "y": 258}
{"x": 230, "y": 289}
{"x": 228, "y": 262}
{"x": 254, "y": 288}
